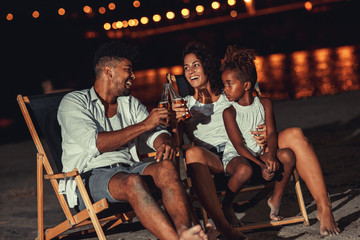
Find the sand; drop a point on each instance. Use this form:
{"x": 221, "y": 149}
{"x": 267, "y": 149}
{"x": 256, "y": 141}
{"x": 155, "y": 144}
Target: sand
{"x": 332, "y": 123}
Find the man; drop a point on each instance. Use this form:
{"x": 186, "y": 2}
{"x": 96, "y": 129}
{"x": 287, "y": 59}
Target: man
{"x": 99, "y": 128}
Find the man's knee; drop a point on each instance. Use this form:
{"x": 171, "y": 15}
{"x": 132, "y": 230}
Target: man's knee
{"x": 165, "y": 172}
{"x": 123, "y": 187}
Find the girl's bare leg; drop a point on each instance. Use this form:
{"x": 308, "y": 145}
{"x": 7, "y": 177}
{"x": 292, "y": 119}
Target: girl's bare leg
{"x": 241, "y": 171}
{"x": 310, "y": 171}
{"x": 287, "y": 158}
{"x": 200, "y": 161}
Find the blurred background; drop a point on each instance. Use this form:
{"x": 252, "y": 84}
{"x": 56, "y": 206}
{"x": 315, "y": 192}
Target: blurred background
{"x": 305, "y": 48}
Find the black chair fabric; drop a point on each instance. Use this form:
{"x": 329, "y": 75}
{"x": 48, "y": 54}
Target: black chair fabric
{"x": 44, "y": 108}
{"x": 183, "y": 86}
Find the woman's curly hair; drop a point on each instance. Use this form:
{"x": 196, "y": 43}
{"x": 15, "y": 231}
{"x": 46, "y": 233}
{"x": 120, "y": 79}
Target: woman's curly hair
{"x": 241, "y": 61}
{"x": 209, "y": 62}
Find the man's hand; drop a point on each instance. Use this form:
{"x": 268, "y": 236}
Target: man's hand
{"x": 165, "y": 151}
{"x": 271, "y": 162}
{"x": 260, "y": 135}
{"x": 158, "y": 116}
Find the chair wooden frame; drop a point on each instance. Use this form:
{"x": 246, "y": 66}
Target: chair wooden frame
{"x": 84, "y": 218}
{"x": 303, "y": 217}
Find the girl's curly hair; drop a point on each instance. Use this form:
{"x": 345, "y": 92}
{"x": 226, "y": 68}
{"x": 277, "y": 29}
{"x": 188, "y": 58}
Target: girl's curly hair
{"x": 210, "y": 63}
{"x": 241, "y": 61}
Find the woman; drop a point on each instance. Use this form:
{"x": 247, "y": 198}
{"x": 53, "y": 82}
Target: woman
{"x": 207, "y": 131}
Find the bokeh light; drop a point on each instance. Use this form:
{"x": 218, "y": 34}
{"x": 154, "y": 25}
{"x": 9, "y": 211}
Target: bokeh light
{"x": 144, "y": 20}
{"x": 199, "y": 9}
{"x": 170, "y": 15}
{"x": 157, "y": 18}
{"x": 215, "y": 5}
{"x": 35, "y": 14}
{"x": 61, "y": 11}
{"x": 136, "y": 4}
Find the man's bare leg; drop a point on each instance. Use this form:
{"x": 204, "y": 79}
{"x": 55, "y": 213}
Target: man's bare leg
{"x": 174, "y": 196}
{"x": 310, "y": 171}
{"x": 131, "y": 188}
{"x": 199, "y": 161}
{"x": 287, "y": 158}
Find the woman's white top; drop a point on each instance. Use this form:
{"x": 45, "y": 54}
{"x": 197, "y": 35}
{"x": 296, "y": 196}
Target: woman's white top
{"x": 206, "y": 126}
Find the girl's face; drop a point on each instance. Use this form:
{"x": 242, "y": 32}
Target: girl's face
{"x": 234, "y": 89}
{"x": 194, "y": 71}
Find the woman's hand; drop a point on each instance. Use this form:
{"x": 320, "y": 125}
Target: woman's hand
{"x": 260, "y": 135}
{"x": 179, "y": 109}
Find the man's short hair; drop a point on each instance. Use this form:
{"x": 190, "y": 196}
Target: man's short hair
{"x": 114, "y": 50}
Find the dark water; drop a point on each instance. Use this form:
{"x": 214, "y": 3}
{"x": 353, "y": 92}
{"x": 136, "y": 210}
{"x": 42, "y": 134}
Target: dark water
{"x": 281, "y": 76}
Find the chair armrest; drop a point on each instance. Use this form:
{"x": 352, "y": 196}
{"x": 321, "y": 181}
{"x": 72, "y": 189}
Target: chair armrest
{"x": 73, "y": 173}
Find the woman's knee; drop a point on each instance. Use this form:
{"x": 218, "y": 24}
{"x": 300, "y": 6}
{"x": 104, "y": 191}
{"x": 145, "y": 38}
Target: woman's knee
{"x": 194, "y": 155}
{"x": 291, "y": 137}
{"x": 286, "y": 156}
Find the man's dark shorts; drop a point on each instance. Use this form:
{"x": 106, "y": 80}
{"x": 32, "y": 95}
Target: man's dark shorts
{"x": 97, "y": 181}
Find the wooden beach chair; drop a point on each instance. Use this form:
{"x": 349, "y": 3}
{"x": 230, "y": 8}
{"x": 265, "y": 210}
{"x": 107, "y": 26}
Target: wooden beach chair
{"x": 221, "y": 180}
{"x": 98, "y": 217}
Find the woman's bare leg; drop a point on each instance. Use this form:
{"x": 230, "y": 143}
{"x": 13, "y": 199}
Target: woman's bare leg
{"x": 287, "y": 158}
{"x": 200, "y": 161}
{"x": 310, "y": 171}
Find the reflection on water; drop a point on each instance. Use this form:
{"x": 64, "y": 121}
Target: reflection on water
{"x": 282, "y": 76}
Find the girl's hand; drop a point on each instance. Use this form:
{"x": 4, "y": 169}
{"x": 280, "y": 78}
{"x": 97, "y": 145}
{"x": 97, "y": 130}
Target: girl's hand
{"x": 271, "y": 162}
{"x": 266, "y": 173}
{"x": 260, "y": 135}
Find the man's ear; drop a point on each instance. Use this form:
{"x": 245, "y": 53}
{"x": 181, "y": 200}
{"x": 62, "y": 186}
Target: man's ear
{"x": 247, "y": 85}
{"x": 108, "y": 72}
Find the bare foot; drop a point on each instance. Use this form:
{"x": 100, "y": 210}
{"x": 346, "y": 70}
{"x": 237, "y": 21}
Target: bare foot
{"x": 328, "y": 226}
{"x": 193, "y": 233}
{"x": 231, "y": 217}
{"x": 274, "y": 210}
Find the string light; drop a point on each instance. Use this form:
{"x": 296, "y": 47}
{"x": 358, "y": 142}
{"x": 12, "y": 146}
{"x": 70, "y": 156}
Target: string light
{"x": 233, "y": 13}
{"x": 107, "y": 26}
{"x": 170, "y": 15}
{"x": 9, "y": 17}
{"x": 144, "y": 20}
{"x": 61, "y": 11}
{"x": 215, "y": 5}
{"x": 199, "y": 9}
{"x": 136, "y": 4}
{"x": 119, "y": 24}
{"x": 185, "y": 12}
{"x": 87, "y": 9}
{"x": 35, "y": 14}
{"x": 157, "y": 18}
{"x": 111, "y": 6}
{"x": 102, "y": 10}
{"x": 231, "y": 2}
{"x": 308, "y": 6}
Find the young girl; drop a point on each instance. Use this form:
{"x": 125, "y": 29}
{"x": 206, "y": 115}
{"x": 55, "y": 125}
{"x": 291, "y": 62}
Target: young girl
{"x": 242, "y": 155}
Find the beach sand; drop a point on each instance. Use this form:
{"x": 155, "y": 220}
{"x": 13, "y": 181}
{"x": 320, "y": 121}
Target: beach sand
{"x": 332, "y": 123}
